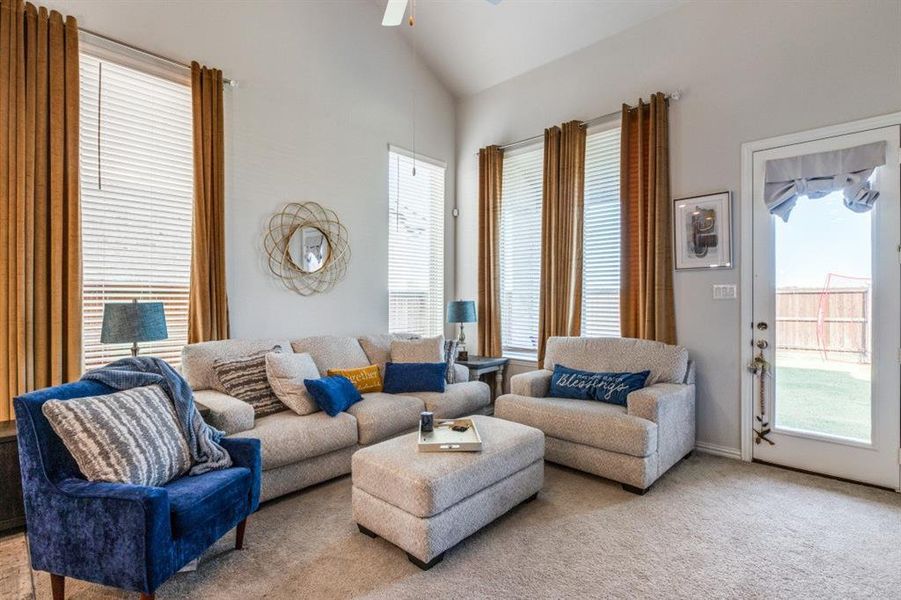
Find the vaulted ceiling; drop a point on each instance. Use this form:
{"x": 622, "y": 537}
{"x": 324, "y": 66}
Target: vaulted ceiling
{"x": 474, "y": 44}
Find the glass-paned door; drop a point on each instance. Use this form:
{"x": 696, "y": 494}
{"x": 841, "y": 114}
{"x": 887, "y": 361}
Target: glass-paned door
{"x": 827, "y": 283}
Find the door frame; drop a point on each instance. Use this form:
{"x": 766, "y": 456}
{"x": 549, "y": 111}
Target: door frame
{"x": 746, "y": 272}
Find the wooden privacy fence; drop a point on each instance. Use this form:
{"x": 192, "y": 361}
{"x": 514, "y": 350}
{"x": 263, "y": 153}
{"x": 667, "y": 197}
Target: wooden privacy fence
{"x": 834, "y": 322}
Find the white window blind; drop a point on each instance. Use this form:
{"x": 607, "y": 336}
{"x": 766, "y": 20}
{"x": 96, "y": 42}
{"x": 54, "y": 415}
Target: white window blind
{"x": 601, "y": 229}
{"x": 520, "y": 250}
{"x": 136, "y": 201}
{"x": 415, "y": 244}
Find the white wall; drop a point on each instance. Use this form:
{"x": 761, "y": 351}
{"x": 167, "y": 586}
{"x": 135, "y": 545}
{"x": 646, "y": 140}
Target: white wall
{"x": 748, "y": 70}
{"x": 324, "y": 88}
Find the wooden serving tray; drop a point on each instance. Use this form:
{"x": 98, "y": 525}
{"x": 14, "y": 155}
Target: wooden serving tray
{"x": 445, "y": 439}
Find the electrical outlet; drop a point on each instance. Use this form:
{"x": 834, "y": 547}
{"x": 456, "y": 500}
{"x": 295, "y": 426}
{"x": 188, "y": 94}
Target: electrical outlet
{"x": 724, "y": 291}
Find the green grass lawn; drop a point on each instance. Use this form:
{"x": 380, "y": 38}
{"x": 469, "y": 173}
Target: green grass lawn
{"x": 831, "y": 402}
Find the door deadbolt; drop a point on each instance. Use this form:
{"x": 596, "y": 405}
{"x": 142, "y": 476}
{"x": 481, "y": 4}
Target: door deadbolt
{"x": 762, "y": 326}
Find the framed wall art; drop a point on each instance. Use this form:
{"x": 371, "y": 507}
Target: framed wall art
{"x": 702, "y": 232}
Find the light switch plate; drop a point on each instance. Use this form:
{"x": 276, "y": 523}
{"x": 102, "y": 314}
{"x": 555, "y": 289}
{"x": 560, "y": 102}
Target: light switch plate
{"x": 725, "y": 291}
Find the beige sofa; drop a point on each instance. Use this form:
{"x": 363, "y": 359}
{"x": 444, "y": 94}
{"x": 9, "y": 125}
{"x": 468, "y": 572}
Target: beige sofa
{"x": 299, "y": 451}
{"x": 633, "y": 444}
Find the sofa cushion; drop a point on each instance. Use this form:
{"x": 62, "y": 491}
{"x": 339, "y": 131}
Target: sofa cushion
{"x": 457, "y": 400}
{"x": 378, "y": 347}
{"x": 227, "y": 414}
{"x": 289, "y": 438}
{"x": 380, "y": 415}
{"x": 365, "y": 379}
{"x": 195, "y": 500}
{"x": 286, "y": 373}
{"x": 424, "y": 484}
{"x": 421, "y": 350}
{"x": 332, "y": 352}
{"x": 612, "y": 388}
{"x": 245, "y": 378}
{"x": 667, "y": 364}
{"x": 596, "y": 424}
{"x": 402, "y": 378}
{"x": 197, "y": 359}
{"x": 333, "y": 394}
{"x": 130, "y": 436}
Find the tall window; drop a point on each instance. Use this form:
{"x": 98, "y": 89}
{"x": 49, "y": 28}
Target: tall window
{"x": 520, "y": 249}
{"x": 415, "y": 244}
{"x": 136, "y": 200}
{"x": 601, "y": 229}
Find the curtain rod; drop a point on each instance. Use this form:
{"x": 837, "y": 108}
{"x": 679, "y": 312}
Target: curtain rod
{"x": 171, "y": 61}
{"x": 589, "y": 123}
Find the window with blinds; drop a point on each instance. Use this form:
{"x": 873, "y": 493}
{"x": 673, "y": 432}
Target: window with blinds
{"x": 136, "y": 200}
{"x": 520, "y": 250}
{"x": 601, "y": 229}
{"x": 415, "y": 244}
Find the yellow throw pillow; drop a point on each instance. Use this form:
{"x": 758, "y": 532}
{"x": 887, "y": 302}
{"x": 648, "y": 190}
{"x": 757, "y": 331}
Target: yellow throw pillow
{"x": 365, "y": 379}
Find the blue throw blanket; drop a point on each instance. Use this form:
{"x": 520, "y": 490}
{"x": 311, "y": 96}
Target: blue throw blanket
{"x": 138, "y": 371}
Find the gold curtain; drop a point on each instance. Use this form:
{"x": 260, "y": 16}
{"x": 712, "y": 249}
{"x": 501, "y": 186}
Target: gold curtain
{"x": 491, "y": 166}
{"x": 560, "y": 295}
{"x": 40, "y": 220}
{"x": 208, "y": 304}
{"x": 646, "y": 296}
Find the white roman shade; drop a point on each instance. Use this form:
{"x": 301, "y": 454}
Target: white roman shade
{"x": 520, "y": 249}
{"x": 818, "y": 175}
{"x": 415, "y": 244}
{"x": 601, "y": 235}
{"x": 137, "y": 174}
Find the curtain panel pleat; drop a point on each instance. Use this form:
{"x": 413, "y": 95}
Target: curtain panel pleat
{"x": 560, "y": 295}
{"x": 491, "y": 165}
{"x": 40, "y": 229}
{"x": 646, "y": 296}
{"x": 208, "y": 302}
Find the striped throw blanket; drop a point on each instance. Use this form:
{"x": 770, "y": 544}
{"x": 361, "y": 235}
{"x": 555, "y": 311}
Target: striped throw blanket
{"x": 139, "y": 371}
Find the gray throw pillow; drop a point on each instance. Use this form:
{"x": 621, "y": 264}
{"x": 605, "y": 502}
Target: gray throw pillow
{"x": 245, "y": 378}
{"x": 131, "y": 436}
{"x": 450, "y": 357}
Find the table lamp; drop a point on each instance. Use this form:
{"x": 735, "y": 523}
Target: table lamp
{"x": 461, "y": 311}
{"x": 133, "y": 322}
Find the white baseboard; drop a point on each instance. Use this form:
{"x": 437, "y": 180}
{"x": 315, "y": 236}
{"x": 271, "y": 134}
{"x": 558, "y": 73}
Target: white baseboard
{"x": 717, "y": 450}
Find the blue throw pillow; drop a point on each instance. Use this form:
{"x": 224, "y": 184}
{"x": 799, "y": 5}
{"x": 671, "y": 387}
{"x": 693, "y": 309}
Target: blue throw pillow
{"x": 333, "y": 394}
{"x": 604, "y": 387}
{"x": 414, "y": 377}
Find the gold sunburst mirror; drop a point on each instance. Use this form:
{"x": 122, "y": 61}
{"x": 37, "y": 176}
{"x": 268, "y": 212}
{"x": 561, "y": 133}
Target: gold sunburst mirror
{"x": 307, "y": 248}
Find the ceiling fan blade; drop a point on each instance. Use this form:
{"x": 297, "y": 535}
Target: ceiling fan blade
{"x": 394, "y": 13}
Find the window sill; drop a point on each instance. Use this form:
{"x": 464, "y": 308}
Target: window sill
{"x": 524, "y": 358}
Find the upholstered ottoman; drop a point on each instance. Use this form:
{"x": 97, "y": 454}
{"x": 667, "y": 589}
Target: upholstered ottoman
{"x": 426, "y": 502}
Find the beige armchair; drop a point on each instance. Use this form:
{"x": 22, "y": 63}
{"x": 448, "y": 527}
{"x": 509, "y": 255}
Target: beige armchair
{"x": 633, "y": 444}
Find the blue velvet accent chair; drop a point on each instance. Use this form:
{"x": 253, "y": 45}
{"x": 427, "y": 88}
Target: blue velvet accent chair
{"x": 126, "y": 536}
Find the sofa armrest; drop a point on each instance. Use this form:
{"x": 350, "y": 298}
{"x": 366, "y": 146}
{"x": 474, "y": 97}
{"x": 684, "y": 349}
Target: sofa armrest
{"x": 227, "y": 413}
{"x": 113, "y": 525}
{"x": 248, "y": 453}
{"x": 461, "y": 374}
{"x": 672, "y": 407}
{"x": 535, "y": 384}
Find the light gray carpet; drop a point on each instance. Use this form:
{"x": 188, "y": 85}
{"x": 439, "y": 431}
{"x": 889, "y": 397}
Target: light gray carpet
{"x": 711, "y": 528}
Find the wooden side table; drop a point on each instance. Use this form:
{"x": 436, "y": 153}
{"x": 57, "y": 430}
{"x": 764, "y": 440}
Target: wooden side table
{"x": 12, "y": 509}
{"x": 485, "y": 365}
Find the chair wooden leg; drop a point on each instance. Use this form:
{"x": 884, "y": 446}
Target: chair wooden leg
{"x": 239, "y": 535}
{"x": 58, "y": 586}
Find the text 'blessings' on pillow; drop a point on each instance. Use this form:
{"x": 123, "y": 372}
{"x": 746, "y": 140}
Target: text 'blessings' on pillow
{"x": 612, "y": 388}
